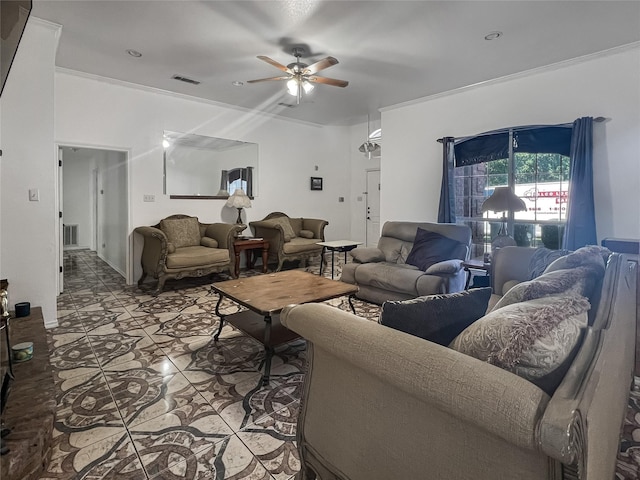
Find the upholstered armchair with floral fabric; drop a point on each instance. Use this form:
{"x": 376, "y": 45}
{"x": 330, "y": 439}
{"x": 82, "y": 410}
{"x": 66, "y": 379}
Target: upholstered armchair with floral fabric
{"x": 290, "y": 238}
{"x": 180, "y": 246}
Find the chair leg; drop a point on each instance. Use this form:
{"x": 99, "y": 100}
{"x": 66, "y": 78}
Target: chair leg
{"x": 160, "y": 286}
{"x": 280, "y": 263}
{"x": 142, "y": 277}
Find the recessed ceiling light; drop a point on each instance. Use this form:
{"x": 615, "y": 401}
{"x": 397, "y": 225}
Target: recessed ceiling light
{"x": 134, "y": 53}
{"x": 492, "y": 35}
{"x": 237, "y": 83}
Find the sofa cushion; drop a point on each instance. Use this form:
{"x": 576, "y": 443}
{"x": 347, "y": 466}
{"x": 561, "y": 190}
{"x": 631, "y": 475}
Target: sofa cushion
{"x": 284, "y": 223}
{"x": 531, "y": 339}
{"x": 209, "y": 242}
{"x": 389, "y": 276}
{"x": 182, "y": 232}
{"x": 301, "y": 245}
{"x": 581, "y": 280}
{"x": 429, "y": 248}
{"x": 306, "y": 233}
{"x": 437, "y": 318}
{"x": 197, "y": 256}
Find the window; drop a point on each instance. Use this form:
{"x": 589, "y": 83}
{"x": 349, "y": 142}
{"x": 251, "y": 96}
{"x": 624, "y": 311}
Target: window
{"x": 540, "y": 179}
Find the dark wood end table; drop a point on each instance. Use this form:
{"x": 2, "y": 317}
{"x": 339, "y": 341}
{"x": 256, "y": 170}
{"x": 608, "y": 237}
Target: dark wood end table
{"x": 265, "y": 296}
{"x": 248, "y": 246}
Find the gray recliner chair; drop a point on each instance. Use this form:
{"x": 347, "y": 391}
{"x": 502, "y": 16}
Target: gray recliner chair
{"x": 382, "y": 273}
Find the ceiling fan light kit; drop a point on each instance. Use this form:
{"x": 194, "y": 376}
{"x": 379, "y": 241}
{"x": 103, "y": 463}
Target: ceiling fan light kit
{"x": 300, "y": 76}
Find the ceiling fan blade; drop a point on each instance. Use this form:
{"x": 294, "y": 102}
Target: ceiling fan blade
{"x": 319, "y": 65}
{"x": 267, "y": 79}
{"x": 274, "y": 63}
{"x": 328, "y": 81}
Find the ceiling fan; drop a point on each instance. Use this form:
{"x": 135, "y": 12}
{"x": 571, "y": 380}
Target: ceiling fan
{"x": 300, "y": 76}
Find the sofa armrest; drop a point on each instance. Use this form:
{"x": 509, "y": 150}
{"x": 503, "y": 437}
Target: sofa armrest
{"x": 154, "y": 250}
{"x": 270, "y": 232}
{"x": 442, "y": 379}
{"x": 224, "y": 233}
{"x": 367, "y": 255}
{"x": 445, "y": 268}
{"x": 316, "y": 226}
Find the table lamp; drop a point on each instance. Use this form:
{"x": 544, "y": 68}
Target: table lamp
{"x": 239, "y": 200}
{"x": 503, "y": 200}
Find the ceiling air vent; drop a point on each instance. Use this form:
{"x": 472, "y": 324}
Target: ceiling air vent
{"x": 186, "y": 80}
{"x": 288, "y": 105}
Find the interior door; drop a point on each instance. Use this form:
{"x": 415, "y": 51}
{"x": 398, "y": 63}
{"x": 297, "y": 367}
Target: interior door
{"x": 373, "y": 208}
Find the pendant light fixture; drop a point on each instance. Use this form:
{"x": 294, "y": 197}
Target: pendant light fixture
{"x": 369, "y": 148}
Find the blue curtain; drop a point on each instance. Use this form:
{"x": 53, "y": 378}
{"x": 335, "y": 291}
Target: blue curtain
{"x": 581, "y": 218}
{"x": 446, "y": 209}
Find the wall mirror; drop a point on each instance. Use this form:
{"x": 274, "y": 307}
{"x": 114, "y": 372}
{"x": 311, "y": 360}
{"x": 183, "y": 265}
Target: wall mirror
{"x": 200, "y": 167}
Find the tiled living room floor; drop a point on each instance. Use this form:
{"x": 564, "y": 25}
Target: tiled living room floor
{"x": 144, "y": 392}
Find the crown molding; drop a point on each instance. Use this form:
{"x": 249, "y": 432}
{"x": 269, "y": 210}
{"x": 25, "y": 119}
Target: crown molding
{"x": 182, "y": 96}
{"x": 526, "y": 73}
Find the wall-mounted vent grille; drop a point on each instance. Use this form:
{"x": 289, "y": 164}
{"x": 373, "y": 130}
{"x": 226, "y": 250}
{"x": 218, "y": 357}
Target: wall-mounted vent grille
{"x": 186, "y": 80}
{"x": 70, "y": 236}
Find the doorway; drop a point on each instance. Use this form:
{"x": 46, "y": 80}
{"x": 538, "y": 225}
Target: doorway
{"x": 373, "y": 208}
{"x": 94, "y": 211}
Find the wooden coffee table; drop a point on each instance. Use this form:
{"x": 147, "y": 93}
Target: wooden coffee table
{"x": 265, "y": 296}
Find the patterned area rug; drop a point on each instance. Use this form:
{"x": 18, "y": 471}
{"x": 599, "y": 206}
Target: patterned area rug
{"x": 143, "y": 392}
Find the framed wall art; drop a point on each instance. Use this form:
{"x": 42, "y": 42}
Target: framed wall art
{"x": 316, "y": 183}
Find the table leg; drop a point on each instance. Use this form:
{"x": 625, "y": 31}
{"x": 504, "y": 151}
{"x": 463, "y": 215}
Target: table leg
{"x": 333, "y": 254}
{"x": 217, "y": 335}
{"x": 466, "y": 286}
{"x": 267, "y": 349}
{"x": 237, "y": 265}
{"x": 353, "y": 309}
{"x": 324, "y": 250}
{"x": 265, "y": 258}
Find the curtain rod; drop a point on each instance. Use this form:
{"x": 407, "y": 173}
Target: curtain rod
{"x": 596, "y": 119}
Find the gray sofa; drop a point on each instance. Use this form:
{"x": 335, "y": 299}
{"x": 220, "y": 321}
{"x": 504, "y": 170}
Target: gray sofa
{"x": 382, "y": 273}
{"x": 379, "y": 403}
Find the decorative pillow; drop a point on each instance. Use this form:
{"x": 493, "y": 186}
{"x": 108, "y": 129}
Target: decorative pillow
{"x": 437, "y": 318}
{"x": 581, "y": 280}
{"x": 209, "y": 242}
{"x": 531, "y": 339}
{"x": 589, "y": 255}
{"x": 285, "y": 225}
{"x": 429, "y": 248}
{"x": 182, "y": 232}
{"x": 306, "y": 233}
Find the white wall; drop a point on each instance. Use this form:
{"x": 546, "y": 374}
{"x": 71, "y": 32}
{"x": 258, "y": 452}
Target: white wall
{"x": 101, "y": 114}
{"x": 113, "y": 209}
{"x": 77, "y": 199}
{"x": 29, "y": 246}
{"x": 605, "y": 85}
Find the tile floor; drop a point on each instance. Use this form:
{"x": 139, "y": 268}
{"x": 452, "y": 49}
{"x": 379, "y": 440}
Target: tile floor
{"x": 144, "y": 392}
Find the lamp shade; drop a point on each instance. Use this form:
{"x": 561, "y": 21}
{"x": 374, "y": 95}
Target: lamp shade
{"x": 503, "y": 200}
{"x": 239, "y": 199}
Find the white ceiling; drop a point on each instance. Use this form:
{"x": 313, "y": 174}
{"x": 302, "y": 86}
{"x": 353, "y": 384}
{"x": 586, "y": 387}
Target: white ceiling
{"x": 389, "y": 51}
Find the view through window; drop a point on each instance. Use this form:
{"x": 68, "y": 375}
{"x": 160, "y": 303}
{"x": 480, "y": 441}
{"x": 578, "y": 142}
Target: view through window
{"x": 540, "y": 179}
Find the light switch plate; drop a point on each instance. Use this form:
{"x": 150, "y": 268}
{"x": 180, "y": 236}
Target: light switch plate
{"x": 34, "y": 195}
{"x": 149, "y": 198}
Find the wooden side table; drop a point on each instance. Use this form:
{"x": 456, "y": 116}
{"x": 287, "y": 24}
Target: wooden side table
{"x": 248, "y": 246}
{"x": 475, "y": 264}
